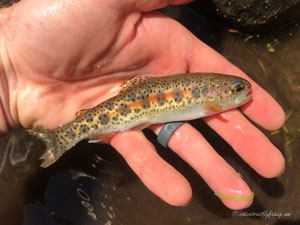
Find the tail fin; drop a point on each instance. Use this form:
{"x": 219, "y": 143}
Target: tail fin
{"x": 52, "y": 153}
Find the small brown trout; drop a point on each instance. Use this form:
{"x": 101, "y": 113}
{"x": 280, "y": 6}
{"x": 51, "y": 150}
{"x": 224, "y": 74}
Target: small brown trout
{"x": 146, "y": 101}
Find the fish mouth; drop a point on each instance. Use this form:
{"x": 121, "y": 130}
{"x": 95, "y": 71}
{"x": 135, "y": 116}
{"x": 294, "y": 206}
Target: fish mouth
{"x": 243, "y": 98}
{"x": 247, "y": 98}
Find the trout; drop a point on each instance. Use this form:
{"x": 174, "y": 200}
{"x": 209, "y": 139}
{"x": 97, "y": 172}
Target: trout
{"x": 145, "y": 101}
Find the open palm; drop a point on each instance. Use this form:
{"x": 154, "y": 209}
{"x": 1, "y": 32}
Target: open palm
{"x": 62, "y": 56}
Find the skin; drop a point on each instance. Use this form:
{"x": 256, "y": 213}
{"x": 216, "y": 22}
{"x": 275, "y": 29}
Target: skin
{"x": 62, "y": 56}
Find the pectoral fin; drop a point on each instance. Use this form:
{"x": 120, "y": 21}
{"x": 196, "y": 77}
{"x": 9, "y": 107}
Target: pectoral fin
{"x": 212, "y": 107}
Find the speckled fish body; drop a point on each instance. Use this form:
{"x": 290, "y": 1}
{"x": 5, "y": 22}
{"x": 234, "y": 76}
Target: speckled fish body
{"x": 146, "y": 101}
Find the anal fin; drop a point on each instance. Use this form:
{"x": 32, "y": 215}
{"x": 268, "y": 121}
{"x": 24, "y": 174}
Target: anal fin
{"x": 141, "y": 126}
{"x": 104, "y": 138}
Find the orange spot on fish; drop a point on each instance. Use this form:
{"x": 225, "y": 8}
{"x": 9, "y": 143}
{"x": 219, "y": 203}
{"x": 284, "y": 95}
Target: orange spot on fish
{"x": 113, "y": 113}
{"x": 169, "y": 95}
{"x": 185, "y": 92}
{"x": 153, "y": 98}
{"x": 134, "y": 105}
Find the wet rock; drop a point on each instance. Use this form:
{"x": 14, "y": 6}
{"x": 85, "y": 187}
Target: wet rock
{"x": 255, "y": 15}
{"x": 19, "y": 155}
{"x": 7, "y": 3}
{"x": 19, "y": 161}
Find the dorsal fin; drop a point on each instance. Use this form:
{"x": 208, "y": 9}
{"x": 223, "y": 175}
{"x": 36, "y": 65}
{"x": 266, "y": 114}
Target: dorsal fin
{"x": 125, "y": 85}
{"x": 80, "y": 112}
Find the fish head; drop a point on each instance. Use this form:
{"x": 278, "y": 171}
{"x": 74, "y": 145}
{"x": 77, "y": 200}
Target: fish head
{"x": 228, "y": 92}
{"x": 234, "y": 92}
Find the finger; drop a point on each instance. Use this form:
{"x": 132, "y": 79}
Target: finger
{"x": 250, "y": 143}
{"x": 263, "y": 109}
{"x": 191, "y": 146}
{"x": 160, "y": 177}
{"x": 147, "y": 6}
{"x": 192, "y": 55}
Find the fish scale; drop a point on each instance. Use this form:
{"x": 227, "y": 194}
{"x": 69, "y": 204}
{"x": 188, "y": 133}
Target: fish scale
{"x": 146, "y": 101}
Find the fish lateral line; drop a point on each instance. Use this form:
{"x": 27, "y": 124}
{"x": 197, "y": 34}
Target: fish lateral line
{"x": 154, "y": 98}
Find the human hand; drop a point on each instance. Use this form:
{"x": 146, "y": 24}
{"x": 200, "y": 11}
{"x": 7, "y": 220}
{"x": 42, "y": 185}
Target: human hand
{"x": 62, "y": 56}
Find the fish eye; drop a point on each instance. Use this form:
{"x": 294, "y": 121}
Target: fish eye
{"x": 237, "y": 86}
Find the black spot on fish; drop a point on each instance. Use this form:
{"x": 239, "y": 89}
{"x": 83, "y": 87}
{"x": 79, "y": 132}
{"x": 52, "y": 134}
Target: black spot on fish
{"x": 161, "y": 99}
{"x": 95, "y": 126}
{"x": 144, "y": 96}
{"x": 123, "y": 109}
{"x": 110, "y": 106}
{"x": 178, "y": 96}
{"x": 199, "y": 80}
{"x": 204, "y": 89}
{"x": 115, "y": 118}
{"x": 165, "y": 85}
{"x": 225, "y": 91}
{"x": 132, "y": 97}
{"x": 186, "y": 82}
{"x": 149, "y": 90}
{"x": 137, "y": 110}
{"x": 146, "y": 104}
{"x": 84, "y": 128}
{"x": 195, "y": 92}
{"x": 104, "y": 118}
{"x": 71, "y": 134}
{"x": 89, "y": 118}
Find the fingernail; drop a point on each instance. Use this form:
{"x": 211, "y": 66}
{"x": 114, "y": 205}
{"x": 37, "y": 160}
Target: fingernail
{"x": 249, "y": 204}
{"x": 281, "y": 172}
{"x": 187, "y": 204}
